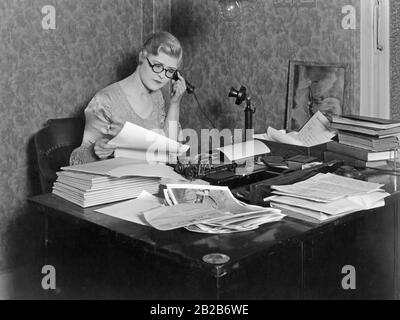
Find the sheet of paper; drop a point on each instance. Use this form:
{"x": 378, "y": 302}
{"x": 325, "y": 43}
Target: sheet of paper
{"x": 244, "y": 150}
{"x": 294, "y": 211}
{"x": 147, "y": 170}
{"x": 101, "y": 167}
{"x": 261, "y": 136}
{"x": 241, "y": 225}
{"x": 316, "y": 131}
{"x": 205, "y": 228}
{"x": 124, "y": 167}
{"x": 327, "y": 187}
{"x": 135, "y": 137}
{"x": 241, "y": 218}
{"x": 132, "y": 210}
{"x": 279, "y": 136}
{"x": 341, "y": 206}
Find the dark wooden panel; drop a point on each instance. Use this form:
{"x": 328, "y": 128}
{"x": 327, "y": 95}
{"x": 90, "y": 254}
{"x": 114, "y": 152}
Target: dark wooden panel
{"x": 272, "y": 275}
{"x": 367, "y": 244}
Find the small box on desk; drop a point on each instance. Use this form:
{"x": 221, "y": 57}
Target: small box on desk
{"x": 290, "y": 150}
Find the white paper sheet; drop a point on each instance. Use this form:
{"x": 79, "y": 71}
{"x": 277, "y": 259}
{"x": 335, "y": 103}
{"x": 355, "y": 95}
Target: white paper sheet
{"x": 147, "y": 170}
{"x": 123, "y": 167}
{"x": 341, "y": 206}
{"x": 327, "y": 187}
{"x": 101, "y": 167}
{"x": 282, "y": 137}
{"x": 143, "y": 141}
{"x": 316, "y": 131}
{"x": 244, "y": 150}
{"x": 303, "y": 213}
{"x": 132, "y": 210}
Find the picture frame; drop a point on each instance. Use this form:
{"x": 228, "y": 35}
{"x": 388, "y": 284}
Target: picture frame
{"x": 315, "y": 86}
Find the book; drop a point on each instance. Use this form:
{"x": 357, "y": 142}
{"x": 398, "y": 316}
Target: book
{"x": 378, "y": 148}
{"x": 367, "y": 122}
{"x": 298, "y": 161}
{"x": 359, "y": 153}
{"x": 364, "y": 130}
{"x": 366, "y": 140}
{"x": 350, "y": 161}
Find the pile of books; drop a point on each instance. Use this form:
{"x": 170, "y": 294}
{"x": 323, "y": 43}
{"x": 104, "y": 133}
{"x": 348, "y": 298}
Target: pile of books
{"x": 325, "y": 197}
{"x": 364, "y": 141}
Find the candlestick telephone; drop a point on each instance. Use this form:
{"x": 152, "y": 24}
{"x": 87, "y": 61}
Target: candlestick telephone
{"x": 189, "y": 87}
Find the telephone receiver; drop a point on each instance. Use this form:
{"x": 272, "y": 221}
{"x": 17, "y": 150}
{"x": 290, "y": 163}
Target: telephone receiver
{"x": 189, "y": 87}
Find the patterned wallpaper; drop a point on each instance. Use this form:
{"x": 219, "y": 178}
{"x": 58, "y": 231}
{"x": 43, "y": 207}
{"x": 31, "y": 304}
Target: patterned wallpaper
{"x": 395, "y": 59}
{"x": 254, "y": 50}
{"x": 50, "y": 74}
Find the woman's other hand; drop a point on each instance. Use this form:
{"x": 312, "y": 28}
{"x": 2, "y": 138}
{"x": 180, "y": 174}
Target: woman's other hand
{"x": 178, "y": 89}
{"x": 103, "y": 149}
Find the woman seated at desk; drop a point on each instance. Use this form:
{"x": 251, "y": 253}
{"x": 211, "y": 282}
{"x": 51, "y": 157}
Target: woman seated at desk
{"x": 137, "y": 99}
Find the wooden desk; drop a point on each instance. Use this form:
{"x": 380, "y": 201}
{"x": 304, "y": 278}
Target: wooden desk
{"x": 284, "y": 260}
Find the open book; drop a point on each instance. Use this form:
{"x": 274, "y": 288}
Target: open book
{"x": 139, "y": 143}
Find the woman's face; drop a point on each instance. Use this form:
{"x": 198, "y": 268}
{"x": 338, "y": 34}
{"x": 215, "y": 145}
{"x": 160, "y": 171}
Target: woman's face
{"x": 151, "y": 80}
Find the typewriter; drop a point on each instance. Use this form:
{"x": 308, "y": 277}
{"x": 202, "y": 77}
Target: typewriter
{"x": 248, "y": 186}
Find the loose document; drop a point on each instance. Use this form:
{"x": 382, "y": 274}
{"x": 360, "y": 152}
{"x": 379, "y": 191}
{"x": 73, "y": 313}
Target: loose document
{"x": 136, "y": 142}
{"x": 316, "y": 131}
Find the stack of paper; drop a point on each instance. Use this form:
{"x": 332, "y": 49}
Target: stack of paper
{"x": 208, "y": 209}
{"x": 88, "y": 190}
{"x": 325, "y": 197}
{"x": 110, "y": 180}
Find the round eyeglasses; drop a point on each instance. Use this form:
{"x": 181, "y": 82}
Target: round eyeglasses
{"x": 158, "y": 68}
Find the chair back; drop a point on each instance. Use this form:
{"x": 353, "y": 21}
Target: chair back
{"x": 54, "y": 144}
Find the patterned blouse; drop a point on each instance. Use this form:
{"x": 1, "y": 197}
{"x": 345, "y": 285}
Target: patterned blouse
{"x": 111, "y": 106}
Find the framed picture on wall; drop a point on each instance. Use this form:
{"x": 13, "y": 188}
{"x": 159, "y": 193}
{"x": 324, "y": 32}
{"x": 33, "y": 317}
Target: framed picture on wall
{"x": 312, "y": 87}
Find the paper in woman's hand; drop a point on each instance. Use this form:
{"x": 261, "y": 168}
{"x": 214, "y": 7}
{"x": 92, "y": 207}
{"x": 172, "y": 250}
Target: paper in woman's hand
{"x": 137, "y": 142}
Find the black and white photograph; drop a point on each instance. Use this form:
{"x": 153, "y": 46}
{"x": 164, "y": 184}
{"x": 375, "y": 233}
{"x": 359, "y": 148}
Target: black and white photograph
{"x": 113, "y": 110}
{"x": 315, "y": 87}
